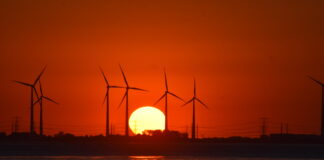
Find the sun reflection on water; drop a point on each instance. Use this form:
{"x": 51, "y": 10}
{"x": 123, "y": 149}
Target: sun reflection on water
{"x": 146, "y": 158}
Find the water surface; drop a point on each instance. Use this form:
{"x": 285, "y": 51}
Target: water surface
{"x": 139, "y": 158}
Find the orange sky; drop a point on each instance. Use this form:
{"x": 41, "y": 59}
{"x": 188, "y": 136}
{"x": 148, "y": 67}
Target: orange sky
{"x": 250, "y": 59}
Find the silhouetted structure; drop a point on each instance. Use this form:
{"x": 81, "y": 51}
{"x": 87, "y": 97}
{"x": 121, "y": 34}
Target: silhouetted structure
{"x": 263, "y": 126}
{"x": 107, "y": 100}
{"x": 161, "y": 143}
{"x": 165, "y": 95}
{"x": 40, "y": 101}
{"x": 33, "y": 89}
{"x": 166, "y": 135}
{"x": 15, "y": 125}
{"x": 322, "y": 109}
{"x": 126, "y": 101}
{"x": 193, "y": 100}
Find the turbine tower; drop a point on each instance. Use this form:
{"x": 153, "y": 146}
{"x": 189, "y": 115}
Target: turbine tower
{"x": 193, "y": 100}
{"x": 165, "y": 96}
{"x": 33, "y": 89}
{"x": 40, "y": 101}
{"x": 107, "y": 100}
{"x": 126, "y": 101}
{"x": 322, "y": 109}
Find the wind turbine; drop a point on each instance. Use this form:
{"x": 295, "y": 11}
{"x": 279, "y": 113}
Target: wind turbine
{"x": 107, "y": 100}
{"x": 126, "y": 101}
{"x": 40, "y": 101}
{"x": 322, "y": 113}
{"x": 193, "y": 100}
{"x": 165, "y": 96}
{"x": 33, "y": 89}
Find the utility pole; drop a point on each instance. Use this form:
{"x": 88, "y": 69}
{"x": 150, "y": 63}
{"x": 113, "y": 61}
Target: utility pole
{"x": 16, "y": 124}
{"x": 12, "y": 127}
{"x": 135, "y": 130}
{"x": 281, "y": 128}
{"x": 264, "y": 126}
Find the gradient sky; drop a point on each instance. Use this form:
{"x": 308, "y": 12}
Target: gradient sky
{"x": 250, "y": 59}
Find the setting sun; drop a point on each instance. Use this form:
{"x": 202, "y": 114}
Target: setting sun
{"x": 146, "y": 118}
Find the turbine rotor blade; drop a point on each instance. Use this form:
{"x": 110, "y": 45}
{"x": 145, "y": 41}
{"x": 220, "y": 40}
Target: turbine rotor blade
{"x": 106, "y": 96}
{"x": 39, "y": 76}
{"x": 125, "y": 80}
{"x": 103, "y": 74}
{"x": 160, "y": 99}
{"x": 134, "y": 88}
{"x": 315, "y": 80}
{"x": 116, "y": 87}
{"x": 121, "y": 102}
{"x": 49, "y": 99}
{"x": 40, "y": 88}
{"x": 175, "y": 96}
{"x": 23, "y": 83}
{"x": 194, "y": 86}
{"x": 188, "y": 102}
{"x": 35, "y": 91}
{"x": 166, "y": 80}
{"x": 202, "y": 103}
{"x": 38, "y": 101}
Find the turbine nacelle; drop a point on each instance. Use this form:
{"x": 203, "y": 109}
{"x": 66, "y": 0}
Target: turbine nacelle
{"x": 194, "y": 98}
{"x": 46, "y": 98}
{"x": 166, "y": 92}
{"x": 33, "y": 89}
{"x": 42, "y": 95}
{"x": 127, "y": 87}
{"x": 35, "y": 82}
{"x": 108, "y": 86}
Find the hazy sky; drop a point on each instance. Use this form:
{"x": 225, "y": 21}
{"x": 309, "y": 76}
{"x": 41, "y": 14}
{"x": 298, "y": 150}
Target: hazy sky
{"x": 250, "y": 59}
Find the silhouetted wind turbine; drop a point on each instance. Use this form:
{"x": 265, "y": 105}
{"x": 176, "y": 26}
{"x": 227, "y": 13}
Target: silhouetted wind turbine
{"x": 322, "y": 112}
{"x": 126, "y": 101}
{"x": 33, "y": 89}
{"x": 193, "y": 100}
{"x": 40, "y": 101}
{"x": 107, "y": 100}
{"x": 165, "y": 95}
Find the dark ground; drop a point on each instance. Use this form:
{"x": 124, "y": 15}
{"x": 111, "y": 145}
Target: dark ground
{"x": 283, "y": 146}
{"x": 166, "y": 149}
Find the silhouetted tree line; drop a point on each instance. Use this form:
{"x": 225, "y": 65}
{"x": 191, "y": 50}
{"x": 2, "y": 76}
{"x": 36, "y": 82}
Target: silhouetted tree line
{"x": 149, "y": 135}
{"x": 161, "y": 137}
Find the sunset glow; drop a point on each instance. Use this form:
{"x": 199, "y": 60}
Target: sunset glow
{"x": 161, "y": 79}
{"x": 146, "y": 118}
{"x": 250, "y": 60}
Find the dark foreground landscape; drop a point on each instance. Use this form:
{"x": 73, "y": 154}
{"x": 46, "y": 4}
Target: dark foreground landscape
{"x": 275, "y": 146}
{"x": 166, "y": 149}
